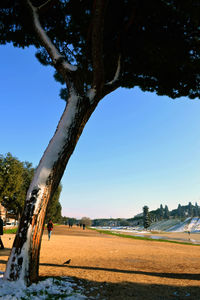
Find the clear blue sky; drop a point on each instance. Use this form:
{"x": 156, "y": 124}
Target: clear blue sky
{"x": 137, "y": 149}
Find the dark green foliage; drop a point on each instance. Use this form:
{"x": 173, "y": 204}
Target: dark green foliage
{"x": 15, "y": 178}
{"x": 124, "y": 222}
{"x": 196, "y": 210}
{"x": 71, "y": 222}
{"x": 166, "y": 212}
{"x": 43, "y": 58}
{"x": 158, "y": 40}
{"x": 161, "y": 212}
{"x": 64, "y": 220}
{"x": 146, "y": 217}
{"x": 190, "y": 210}
{"x": 155, "y": 215}
{"x": 103, "y": 222}
{"x": 64, "y": 94}
{"x": 187, "y": 210}
{"x": 180, "y": 211}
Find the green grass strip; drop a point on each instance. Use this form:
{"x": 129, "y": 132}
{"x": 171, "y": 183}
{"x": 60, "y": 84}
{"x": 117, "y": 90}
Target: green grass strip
{"x": 10, "y": 230}
{"x": 141, "y": 237}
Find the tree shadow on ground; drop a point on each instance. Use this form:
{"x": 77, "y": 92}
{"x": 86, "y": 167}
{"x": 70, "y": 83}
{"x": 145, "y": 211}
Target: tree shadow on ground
{"x": 5, "y": 252}
{"x": 129, "y": 290}
{"x": 135, "y": 291}
{"x": 187, "y": 276}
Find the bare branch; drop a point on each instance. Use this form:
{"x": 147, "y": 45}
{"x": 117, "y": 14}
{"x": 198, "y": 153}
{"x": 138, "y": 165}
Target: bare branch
{"x": 114, "y": 83}
{"x": 44, "y": 5}
{"x": 53, "y": 52}
{"x": 117, "y": 73}
{"x": 91, "y": 93}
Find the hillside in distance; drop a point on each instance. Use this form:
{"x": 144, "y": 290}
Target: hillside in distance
{"x": 175, "y": 225}
{"x": 184, "y": 218}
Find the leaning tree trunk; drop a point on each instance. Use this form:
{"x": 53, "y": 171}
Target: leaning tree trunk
{"x": 23, "y": 263}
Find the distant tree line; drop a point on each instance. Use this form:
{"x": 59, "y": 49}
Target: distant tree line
{"x": 148, "y": 217}
{"x": 186, "y": 211}
{"x": 163, "y": 213}
{"x": 15, "y": 178}
{"x": 110, "y": 222}
{"x": 180, "y": 212}
{"x": 73, "y": 221}
{"x": 145, "y": 218}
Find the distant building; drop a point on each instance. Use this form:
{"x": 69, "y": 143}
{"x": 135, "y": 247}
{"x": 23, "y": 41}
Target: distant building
{"x": 3, "y": 212}
{"x": 6, "y": 216}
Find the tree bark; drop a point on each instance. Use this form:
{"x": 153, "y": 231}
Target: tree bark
{"x": 23, "y": 263}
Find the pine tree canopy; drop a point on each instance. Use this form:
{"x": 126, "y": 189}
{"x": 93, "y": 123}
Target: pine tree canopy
{"x": 156, "y": 42}
{"x": 15, "y": 177}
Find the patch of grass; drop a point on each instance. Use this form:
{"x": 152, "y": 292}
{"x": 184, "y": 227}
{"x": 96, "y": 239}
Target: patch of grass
{"x": 141, "y": 238}
{"x": 157, "y": 232}
{"x": 10, "y": 230}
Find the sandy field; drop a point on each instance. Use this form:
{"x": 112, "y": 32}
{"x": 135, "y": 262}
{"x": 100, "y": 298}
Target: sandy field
{"x": 119, "y": 268}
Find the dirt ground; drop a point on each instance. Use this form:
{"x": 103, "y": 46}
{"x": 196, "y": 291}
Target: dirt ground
{"x": 119, "y": 268}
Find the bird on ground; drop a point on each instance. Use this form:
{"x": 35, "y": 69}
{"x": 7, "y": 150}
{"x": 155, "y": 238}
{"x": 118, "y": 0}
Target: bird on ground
{"x": 67, "y": 262}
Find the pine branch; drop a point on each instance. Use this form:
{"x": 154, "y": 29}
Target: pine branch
{"x": 117, "y": 73}
{"x": 58, "y": 60}
{"x": 115, "y": 82}
{"x": 45, "y": 5}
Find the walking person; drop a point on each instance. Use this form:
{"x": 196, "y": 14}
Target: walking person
{"x": 1, "y": 233}
{"x": 49, "y": 228}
